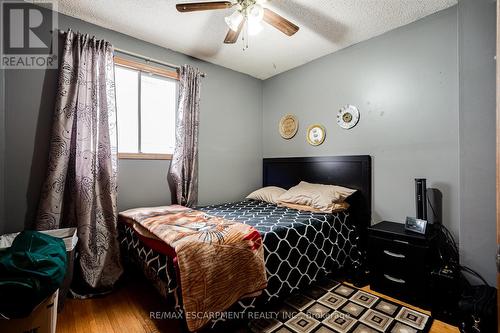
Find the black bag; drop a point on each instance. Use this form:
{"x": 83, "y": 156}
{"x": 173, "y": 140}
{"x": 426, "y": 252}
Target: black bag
{"x": 478, "y": 310}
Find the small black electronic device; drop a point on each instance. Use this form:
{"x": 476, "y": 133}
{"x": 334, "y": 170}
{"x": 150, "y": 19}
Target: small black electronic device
{"x": 445, "y": 294}
{"x": 421, "y": 198}
{"x": 434, "y": 206}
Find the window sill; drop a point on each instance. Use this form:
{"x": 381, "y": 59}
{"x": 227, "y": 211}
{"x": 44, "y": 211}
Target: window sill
{"x": 144, "y": 156}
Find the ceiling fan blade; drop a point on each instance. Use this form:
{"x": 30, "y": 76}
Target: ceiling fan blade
{"x": 279, "y": 22}
{"x": 232, "y": 36}
{"x": 198, "y": 6}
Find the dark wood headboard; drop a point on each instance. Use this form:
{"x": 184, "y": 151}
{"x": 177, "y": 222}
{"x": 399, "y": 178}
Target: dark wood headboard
{"x": 349, "y": 171}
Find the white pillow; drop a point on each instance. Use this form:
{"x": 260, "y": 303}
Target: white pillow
{"x": 268, "y": 194}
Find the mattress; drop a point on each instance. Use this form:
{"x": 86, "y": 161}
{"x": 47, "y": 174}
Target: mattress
{"x": 299, "y": 247}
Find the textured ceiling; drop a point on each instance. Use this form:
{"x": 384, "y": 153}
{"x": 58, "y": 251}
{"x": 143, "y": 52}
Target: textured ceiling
{"x": 325, "y": 27}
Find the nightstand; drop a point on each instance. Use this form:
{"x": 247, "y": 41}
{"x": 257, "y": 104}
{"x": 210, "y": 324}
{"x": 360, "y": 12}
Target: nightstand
{"x": 401, "y": 261}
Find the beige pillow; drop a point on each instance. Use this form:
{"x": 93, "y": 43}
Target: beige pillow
{"x": 268, "y": 194}
{"x": 337, "y": 207}
{"x": 343, "y": 192}
{"x": 319, "y": 196}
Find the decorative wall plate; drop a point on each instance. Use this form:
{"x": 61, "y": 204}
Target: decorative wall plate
{"x": 316, "y": 134}
{"x": 288, "y": 126}
{"x": 348, "y": 116}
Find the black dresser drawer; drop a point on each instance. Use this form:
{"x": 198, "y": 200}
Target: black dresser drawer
{"x": 392, "y": 284}
{"x": 398, "y": 253}
{"x": 404, "y": 286}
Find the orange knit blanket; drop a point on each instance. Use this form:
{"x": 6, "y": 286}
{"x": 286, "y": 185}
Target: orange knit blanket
{"x": 219, "y": 261}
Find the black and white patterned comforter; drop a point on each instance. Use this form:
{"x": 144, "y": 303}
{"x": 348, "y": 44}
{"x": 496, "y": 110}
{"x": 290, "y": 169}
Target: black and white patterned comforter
{"x": 299, "y": 247}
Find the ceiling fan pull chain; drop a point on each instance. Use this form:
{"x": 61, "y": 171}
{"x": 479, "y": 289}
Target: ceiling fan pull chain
{"x": 244, "y": 37}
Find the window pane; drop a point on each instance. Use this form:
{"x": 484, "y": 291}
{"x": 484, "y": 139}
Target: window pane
{"x": 127, "y": 103}
{"x": 158, "y": 104}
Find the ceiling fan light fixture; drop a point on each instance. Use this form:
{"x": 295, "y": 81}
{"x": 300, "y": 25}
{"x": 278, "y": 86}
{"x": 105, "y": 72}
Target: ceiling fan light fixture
{"x": 254, "y": 27}
{"x": 233, "y": 21}
{"x": 255, "y": 12}
{"x": 248, "y": 14}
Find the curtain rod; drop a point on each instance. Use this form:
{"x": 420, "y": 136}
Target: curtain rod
{"x": 140, "y": 56}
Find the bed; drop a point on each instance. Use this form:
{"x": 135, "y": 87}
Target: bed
{"x": 299, "y": 247}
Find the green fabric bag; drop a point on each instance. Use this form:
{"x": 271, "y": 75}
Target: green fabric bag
{"x": 30, "y": 270}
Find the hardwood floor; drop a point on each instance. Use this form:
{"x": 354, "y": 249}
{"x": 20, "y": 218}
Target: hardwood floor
{"x": 127, "y": 310}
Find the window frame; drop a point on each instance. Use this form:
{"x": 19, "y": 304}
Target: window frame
{"x": 145, "y": 68}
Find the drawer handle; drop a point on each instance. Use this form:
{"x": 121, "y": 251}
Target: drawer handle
{"x": 401, "y": 241}
{"x": 393, "y": 279}
{"x": 395, "y": 255}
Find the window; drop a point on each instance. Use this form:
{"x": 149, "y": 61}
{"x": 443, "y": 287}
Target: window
{"x": 146, "y": 99}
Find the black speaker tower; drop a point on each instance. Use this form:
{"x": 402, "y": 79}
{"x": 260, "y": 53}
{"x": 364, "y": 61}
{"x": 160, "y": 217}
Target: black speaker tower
{"x": 421, "y": 198}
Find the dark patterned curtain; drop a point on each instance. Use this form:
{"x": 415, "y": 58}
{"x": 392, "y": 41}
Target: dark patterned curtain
{"x": 80, "y": 188}
{"x": 183, "y": 172}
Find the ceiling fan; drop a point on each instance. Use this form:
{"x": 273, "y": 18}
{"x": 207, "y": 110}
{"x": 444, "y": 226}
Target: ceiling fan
{"x": 251, "y": 12}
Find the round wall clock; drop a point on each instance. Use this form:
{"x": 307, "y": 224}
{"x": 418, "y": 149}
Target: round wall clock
{"x": 316, "y": 134}
{"x": 348, "y": 116}
{"x": 288, "y": 126}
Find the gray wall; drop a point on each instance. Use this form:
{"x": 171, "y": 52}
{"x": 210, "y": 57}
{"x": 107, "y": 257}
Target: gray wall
{"x": 2, "y": 149}
{"x": 230, "y": 135}
{"x": 477, "y": 32}
{"x": 405, "y": 84}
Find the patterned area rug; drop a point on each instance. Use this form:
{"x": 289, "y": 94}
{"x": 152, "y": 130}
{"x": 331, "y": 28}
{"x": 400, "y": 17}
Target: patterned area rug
{"x": 330, "y": 306}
